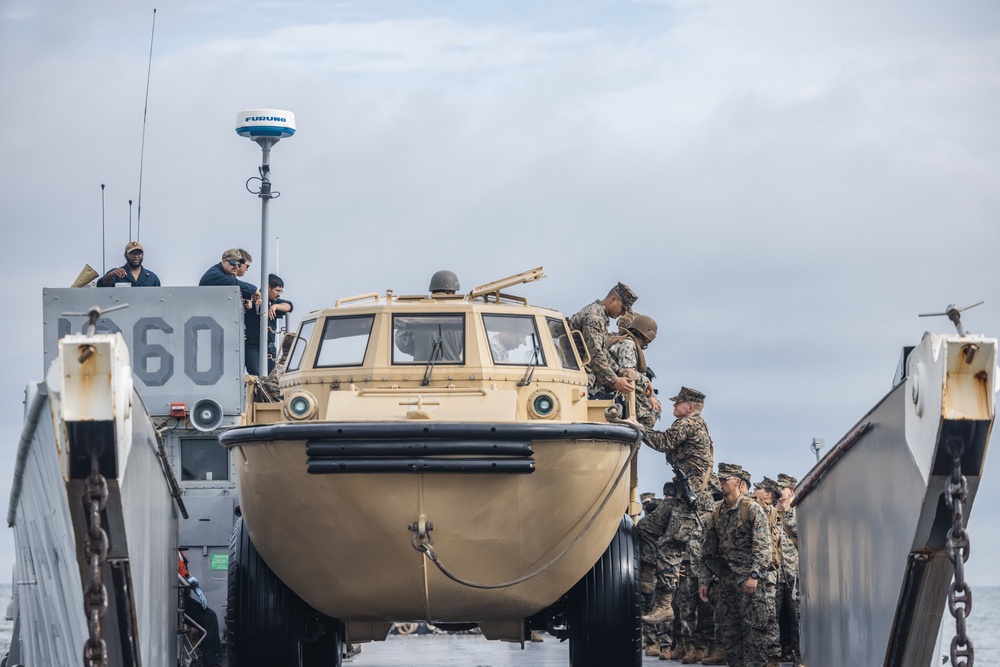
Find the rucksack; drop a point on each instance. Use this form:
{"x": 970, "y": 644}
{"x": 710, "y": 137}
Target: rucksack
{"x": 774, "y": 529}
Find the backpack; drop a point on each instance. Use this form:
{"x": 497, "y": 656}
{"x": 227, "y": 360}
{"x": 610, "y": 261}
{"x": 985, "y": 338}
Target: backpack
{"x": 774, "y": 528}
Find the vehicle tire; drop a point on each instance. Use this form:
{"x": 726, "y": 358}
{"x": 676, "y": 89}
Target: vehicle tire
{"x": 604, "y": 624}
{"x": 327, "y": 651}
{"x": 265, "y": 621}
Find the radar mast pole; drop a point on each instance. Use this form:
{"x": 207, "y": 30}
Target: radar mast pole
{"x": 265, "y": 127}
{"x": 265, "y": 198}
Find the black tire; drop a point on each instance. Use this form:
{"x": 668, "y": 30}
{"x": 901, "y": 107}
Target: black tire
{"x": 266, "y": 623}
{"x": 604, "y": 616}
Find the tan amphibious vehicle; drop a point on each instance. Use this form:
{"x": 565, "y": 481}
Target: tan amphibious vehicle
{"x": 432, "y": 458}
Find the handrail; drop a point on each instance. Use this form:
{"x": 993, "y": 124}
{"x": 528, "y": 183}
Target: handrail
{"x": 413, "y": 391}
{"x": 23, "y": 447}
{"x": 357, "y": 297}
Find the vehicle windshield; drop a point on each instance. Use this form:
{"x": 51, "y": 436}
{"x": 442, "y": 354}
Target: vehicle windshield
{"x": 564, "y": 346}
{"x": 513, "y": 339}
{"x": 305, "y": 333}
{"x": 415, "y": 338}
{"x": 344, "y": 341}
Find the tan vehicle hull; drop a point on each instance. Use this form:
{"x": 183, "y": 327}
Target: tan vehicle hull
{"x": 487, "y": 529}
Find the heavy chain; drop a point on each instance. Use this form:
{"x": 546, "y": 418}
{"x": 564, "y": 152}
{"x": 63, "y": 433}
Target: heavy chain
{"x": 957, "y": 548}
{"x": 95, "y": 595}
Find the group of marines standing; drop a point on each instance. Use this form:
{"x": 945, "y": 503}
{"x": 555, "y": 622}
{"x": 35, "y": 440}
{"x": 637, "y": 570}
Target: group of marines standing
{"x": 719, "y": 571}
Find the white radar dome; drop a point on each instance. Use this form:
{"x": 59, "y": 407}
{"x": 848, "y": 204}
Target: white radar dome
{"x": 255, "y": 123}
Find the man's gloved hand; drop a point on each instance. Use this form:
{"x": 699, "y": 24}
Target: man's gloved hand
{"x": 201, "y": 597}
{"x": 196, "y": 589}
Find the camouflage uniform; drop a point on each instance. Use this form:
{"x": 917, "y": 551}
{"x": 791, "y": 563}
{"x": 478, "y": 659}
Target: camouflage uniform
{"x": 688, "y": 448}
{"x": 696, "y": 618}
{"x": 653, "y": 634}
{"x": 787, "y": 597}
{"x": 625, "y": 356}
{"x": 734, "y": 549}
{"x": 650, "y": 633}
{"x": 770, "y": 580}
{"x": 652, "y": 526}
{"x": 676, "y": 524}
{"x": 592, "y": 322}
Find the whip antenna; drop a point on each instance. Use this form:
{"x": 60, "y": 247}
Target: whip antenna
{"x": 142, "y": 148}
{"x": 130, "y": 219}
{"x": 104, "y": 243}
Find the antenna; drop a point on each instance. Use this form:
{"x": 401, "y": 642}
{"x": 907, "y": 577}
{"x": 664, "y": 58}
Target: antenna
{"x": 142, "y": 145}
{"x": 104, "y": 243}
{"x": 817, "y": 446}
{"x": 954, "y": 314}
{"x": 265, "y": 127}
{"x": 129, "y": 219}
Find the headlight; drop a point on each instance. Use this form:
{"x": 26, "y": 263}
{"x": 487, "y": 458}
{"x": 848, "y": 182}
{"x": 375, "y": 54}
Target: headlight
{"x": 301, "y": 405}
{"x": 543, "y": 405}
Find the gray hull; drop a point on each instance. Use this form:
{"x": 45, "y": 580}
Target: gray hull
{"x": 47, "y": 516}
{"x": 166, "y": 378}
{"x": 872, "y": 517}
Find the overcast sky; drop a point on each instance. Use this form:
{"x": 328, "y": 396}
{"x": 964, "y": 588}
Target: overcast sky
{"x": 786, "y": 185}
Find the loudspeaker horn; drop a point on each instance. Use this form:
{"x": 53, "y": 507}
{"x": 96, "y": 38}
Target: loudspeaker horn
{"x": 206, "y": 415}
{"x": 86, "y": 275}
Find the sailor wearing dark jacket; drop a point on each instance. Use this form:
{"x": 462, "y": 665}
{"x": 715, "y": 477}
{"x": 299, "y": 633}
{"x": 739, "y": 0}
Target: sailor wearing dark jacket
{"x": 133, "y": 272}
{"x": 224, "y": 273}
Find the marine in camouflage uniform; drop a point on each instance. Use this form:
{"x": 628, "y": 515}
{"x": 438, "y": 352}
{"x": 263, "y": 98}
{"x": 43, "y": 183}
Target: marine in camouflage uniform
{"x": 626, "y": 347}
{"x": 737, "y": 551}
{"x": 655, "y": 637}
{"x": 767, "y": 493}
{"x": 787, "y": 597}
{"x": 592, "y": 322}
{"x": 688, "y": 449}
{"x": 694, "y": 616}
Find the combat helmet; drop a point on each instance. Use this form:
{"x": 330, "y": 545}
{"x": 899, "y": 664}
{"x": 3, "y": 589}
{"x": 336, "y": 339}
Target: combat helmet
{"x": 645, "y": 326}
{"x": 444, "y": 281}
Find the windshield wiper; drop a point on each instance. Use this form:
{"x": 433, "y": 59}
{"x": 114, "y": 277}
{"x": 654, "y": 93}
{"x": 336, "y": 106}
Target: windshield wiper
{"x": 530, "y": 370}
{"x": 436, "y": 347}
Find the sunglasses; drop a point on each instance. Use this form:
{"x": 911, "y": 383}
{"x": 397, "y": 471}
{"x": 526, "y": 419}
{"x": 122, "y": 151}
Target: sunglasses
{"x": 235, "y": 262}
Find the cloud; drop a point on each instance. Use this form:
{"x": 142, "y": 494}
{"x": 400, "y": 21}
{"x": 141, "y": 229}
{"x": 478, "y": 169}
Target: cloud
{"x": 786, "y": 186}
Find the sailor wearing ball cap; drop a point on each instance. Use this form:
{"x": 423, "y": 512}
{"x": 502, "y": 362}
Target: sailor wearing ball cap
{"x": 132, "y": 272}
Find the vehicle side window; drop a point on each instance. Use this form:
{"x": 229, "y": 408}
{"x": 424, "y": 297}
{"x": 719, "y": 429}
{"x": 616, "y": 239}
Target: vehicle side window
{"x": 419, "y": 339}
{"x": 345, "y": 340}
{"x": 513, "y": 340}
{"x": 564, "y": 346}
{"x": 305, "y": 333}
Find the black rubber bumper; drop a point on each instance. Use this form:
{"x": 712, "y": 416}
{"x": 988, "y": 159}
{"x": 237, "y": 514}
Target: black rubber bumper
{"x": 405, "y": 447}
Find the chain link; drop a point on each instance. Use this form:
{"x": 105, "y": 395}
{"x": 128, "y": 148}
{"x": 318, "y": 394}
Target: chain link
{"x": 95, "y": 594}
{"x": 957, "y": 549}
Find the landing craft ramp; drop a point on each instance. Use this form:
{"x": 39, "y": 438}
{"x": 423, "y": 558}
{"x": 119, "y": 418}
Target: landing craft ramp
{"x": 873, "y": 519}
{"x": 146, "y": 420}
{"x": 186, "y": 351}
